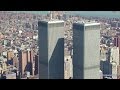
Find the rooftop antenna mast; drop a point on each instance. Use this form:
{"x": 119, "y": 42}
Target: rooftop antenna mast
{"x": 51, "y": 16}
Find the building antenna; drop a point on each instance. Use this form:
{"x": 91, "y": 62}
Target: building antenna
{"x": 51, "y": 15}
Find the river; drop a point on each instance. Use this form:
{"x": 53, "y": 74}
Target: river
{"x": 110, "y": 14}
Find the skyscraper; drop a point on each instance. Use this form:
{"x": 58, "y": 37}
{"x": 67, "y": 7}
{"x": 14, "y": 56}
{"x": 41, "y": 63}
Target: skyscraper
{"x": 68, "y": 67}
{"x": 32, "y": 62}
{"x": 86, "y": 50}
{"x": 114, "y": 55}
{"x": 26, "y": 62}
{"x": 51, "y": 49}
{"x": 10, "y": 55}
{"x": 22, "y": 62}
{"x": 117, "y": 41}
{"x": 36, "y": 64}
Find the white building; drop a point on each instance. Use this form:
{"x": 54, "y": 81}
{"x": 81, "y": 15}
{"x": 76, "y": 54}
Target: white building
{"x": 114, "y": 70}
{"x": 68, "y": 67}
{"x": 114, "y": 55}
{"x": 51, "y": 49}
{"x": 86, "y": 50}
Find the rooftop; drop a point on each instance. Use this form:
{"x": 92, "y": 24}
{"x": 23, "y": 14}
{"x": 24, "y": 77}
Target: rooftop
{"x": 52, "y": 21}
{"x": 87, "y": 23}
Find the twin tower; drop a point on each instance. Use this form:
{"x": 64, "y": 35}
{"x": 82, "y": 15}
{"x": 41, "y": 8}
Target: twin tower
{"x": 86, "y": 41}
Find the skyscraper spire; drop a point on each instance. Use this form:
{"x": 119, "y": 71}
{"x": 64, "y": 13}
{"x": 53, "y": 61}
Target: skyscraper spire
{"x": 51, "y": 16}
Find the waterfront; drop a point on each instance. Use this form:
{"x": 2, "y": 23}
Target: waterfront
{"x": 107, "y": 14}
{"x": 19, "y": 50}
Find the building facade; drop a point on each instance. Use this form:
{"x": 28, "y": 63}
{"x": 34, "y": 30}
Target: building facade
{"x": 36, "y": 64}
{"x": 26, "y": 62}
{"x": 51, "y": 49}
{"x": 114, "y": 55}
{"x": 10, "y": 55}
{"x": 86, "y": 50}
{"x": 22, "y": 62}
{"x": 68, "y": 71}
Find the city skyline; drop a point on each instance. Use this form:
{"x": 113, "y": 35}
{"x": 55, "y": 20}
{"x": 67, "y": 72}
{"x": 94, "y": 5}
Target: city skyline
{"x": 25, "y": 44}
{"x": 106, "y": 14}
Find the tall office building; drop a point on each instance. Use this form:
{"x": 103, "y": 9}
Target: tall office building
{"x": 114, "y": 55}
{"x": 15, "y": 62}
{"x": 51, "y": 49}
{"x": 117, "y": 41}
{"x": 118, "y": 72}
{"x": 106, "y": 68}
{"x": 22, "y": 62}
{"x": 26, "y": 62}
{"x": 86, "y": 50}
{"x": 10, "y": 55}
{"x": 36, "y": 64}
{"x": 29, "y": 61}
{"x": 114, "y": 70}
{"x": 32, "y": 61}
{"x": 68, "y": 68}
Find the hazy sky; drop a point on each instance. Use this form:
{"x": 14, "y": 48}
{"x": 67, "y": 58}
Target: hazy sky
{"x": 97, "y": 13}
{"x": 84, "y": 13}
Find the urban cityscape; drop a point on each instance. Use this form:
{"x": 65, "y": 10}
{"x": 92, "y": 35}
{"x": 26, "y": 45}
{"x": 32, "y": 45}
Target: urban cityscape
{"x": 59, "y": 45}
